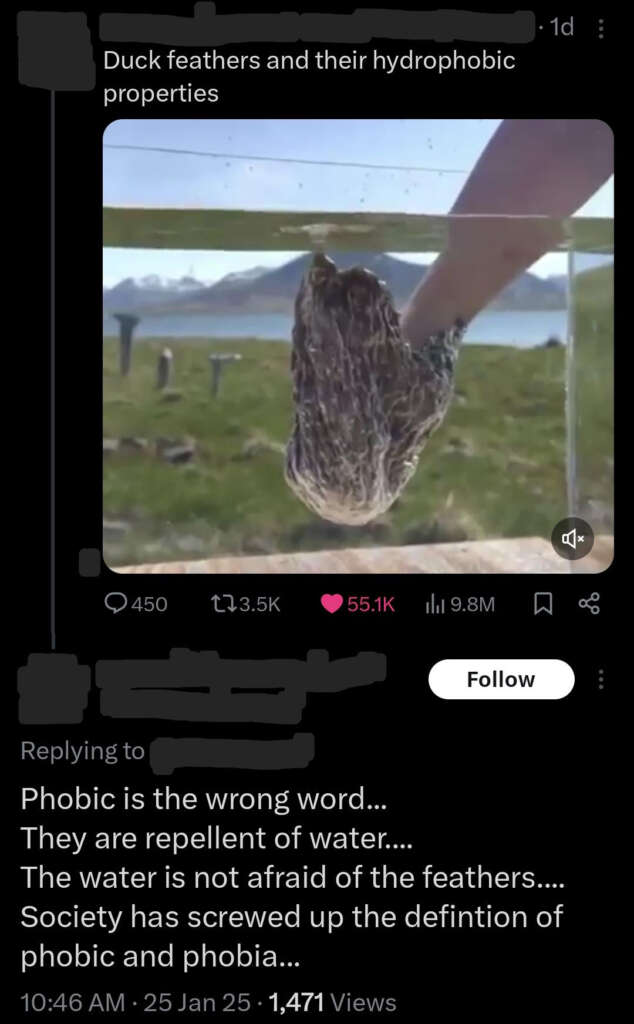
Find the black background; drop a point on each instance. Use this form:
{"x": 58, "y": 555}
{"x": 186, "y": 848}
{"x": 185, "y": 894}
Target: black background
{"x": 509, "y": 785}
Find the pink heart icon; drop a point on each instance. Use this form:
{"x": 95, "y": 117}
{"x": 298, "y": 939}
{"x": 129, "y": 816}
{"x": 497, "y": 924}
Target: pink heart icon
{"x": 332, "y": 602}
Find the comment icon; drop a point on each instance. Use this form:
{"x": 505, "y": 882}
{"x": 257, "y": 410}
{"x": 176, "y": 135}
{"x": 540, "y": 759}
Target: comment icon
{"x": 115, "y": 601}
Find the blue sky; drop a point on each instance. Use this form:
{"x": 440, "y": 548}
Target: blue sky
{"x": 446, "y": 149}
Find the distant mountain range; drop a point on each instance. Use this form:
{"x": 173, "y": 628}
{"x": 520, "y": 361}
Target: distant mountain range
{"x": 262, "y": 290}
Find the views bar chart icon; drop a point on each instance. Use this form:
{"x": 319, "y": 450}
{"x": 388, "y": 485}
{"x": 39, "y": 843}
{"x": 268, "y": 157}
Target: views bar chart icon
{"x": 435, "y": 606}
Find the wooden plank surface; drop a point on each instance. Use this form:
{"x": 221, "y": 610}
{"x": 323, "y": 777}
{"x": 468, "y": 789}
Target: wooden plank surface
{"x": 523, "y": 555}
{"x": 289, "y": 230}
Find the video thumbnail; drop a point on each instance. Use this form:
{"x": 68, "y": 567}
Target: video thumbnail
{"x": 359, "y": 346}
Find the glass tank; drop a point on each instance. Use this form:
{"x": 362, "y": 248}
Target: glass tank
{"x": 590, "y": 379}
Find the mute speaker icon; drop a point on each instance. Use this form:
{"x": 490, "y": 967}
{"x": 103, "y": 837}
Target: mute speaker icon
{"x": 572, "y": 538}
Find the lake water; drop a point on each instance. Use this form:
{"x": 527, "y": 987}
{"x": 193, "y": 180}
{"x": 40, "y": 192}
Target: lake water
{"x": 524, "y": 328}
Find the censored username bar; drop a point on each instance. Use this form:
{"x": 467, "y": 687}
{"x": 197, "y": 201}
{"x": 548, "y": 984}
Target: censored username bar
{"x": 501, "y": 679}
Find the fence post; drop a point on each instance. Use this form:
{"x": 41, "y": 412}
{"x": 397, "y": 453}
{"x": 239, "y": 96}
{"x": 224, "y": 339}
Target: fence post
{"x": 127, "y": 323}
{"x": 164, "y": 368}
{"x": 217, "y": 361}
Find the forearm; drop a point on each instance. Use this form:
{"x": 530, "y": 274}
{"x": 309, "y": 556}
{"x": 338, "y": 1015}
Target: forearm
{"x": 481, "y": 258}
{"x": 542, "y": 171}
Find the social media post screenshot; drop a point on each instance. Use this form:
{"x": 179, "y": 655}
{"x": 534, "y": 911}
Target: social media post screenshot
{"x": 313, "y": 707}
{"x": 319, "y": 835}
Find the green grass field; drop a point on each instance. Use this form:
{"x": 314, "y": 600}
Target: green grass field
{"x": 496, "y": 467}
